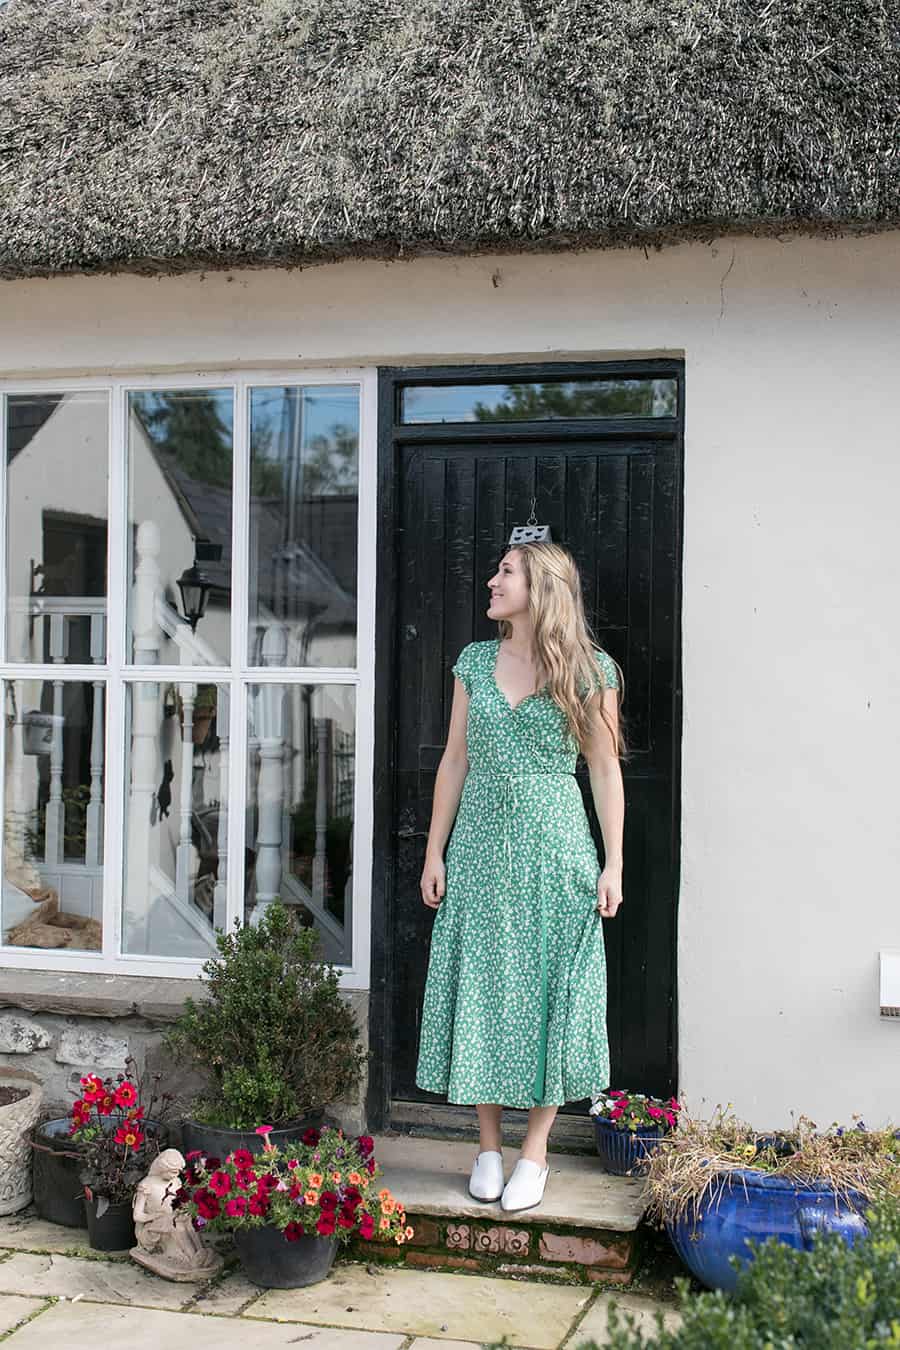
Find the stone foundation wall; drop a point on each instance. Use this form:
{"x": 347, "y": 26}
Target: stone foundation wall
{"x": 58, "y": 1028}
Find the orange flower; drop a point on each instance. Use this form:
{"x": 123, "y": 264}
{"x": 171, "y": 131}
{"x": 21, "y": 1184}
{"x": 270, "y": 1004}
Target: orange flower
{"x": 408, "y": 1232}
{"x": 316, "y": 1179}
{"x": 388, "y": 1206}
{"x": 311, "y": 1197}
{"x": 384, "y": 1222}
{"x": 355, "y": 1179}
{"x": 384, "y": 1194}
{"x": 336, "y": 1176}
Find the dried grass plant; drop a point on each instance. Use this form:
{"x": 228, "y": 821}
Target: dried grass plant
{"x": 692, "y": 1167}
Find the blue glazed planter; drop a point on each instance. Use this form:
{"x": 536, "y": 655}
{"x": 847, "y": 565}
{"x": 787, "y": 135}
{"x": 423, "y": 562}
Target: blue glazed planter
{"x": 619, "y": 1150}
{"x": 770, "y": 1206}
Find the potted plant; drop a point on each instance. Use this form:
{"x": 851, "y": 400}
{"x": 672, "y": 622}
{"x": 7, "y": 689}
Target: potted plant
{"x": 274, "y": 1037}
{"x": 628, "y": 1125}
{"x": 289, "y": 1208}
{"x": 717, "y": 1184}
{"x": 20, "y": 1104}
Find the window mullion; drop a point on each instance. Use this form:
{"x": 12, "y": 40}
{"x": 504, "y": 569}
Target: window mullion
{"x": 237, "y": 749}
{"x": 117, "y": 599}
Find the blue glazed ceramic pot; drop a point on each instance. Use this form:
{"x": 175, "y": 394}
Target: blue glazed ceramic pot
{"x": 758, "y": 1205}
{"x": 619, "y": 1150}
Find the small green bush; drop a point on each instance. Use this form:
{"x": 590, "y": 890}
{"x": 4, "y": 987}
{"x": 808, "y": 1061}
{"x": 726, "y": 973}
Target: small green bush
{"x": 833, "y": 1297}
{"x": 275, "y": 1035}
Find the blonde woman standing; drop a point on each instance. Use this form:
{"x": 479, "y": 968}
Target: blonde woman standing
{"x": 515, "y": 1000}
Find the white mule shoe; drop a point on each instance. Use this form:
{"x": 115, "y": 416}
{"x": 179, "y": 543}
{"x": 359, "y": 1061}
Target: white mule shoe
{"x": 525, "y": 1188}
{"x": 486, "y": 1181}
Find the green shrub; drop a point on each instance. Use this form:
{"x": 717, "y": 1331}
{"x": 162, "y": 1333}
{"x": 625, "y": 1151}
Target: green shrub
{"x": 833, "y": 1297}
{"x": 275, "y": 1035}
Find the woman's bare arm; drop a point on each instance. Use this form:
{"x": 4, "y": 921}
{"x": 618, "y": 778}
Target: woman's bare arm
{"x": 448, "y": 788}
{"x": 608, "y": 793}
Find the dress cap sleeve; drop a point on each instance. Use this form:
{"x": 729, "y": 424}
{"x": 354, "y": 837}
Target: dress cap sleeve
{"x": 464, "y": 669}
{"x": 607, "y": 670}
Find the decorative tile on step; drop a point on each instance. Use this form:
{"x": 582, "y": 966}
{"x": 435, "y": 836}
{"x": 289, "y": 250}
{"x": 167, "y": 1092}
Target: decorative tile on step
{"x": 584, "y": 1251}
{"x": 431, "y": 1304}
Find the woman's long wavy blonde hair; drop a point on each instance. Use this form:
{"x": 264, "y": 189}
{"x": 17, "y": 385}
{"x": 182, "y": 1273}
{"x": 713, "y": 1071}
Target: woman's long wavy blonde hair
{"x": 564, "y": 646}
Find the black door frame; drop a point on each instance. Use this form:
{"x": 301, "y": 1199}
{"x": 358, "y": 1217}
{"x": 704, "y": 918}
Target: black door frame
{"x": 392, "y": 435}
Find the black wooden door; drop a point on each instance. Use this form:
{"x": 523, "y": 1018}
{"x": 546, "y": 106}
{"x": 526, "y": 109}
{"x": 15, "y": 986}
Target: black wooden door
{"x": 613, "y": 496}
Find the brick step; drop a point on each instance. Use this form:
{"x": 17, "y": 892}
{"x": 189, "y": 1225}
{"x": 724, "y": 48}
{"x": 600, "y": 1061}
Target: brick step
{"x": 585, "y": 1229}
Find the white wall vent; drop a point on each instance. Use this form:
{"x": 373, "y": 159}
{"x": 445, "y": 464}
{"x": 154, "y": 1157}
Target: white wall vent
{"x": 890, "y": 983}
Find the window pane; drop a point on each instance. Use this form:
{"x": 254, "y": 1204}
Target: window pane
{"x": 539, "y": 402}
{"x": 179, "y": 509}
{"x": 300, "y": 772}
{"x": 57, "y": 467}
{"x": 304, "y": 472}
{"x": 176, "y": 820}
{"x": 53, "y": 815}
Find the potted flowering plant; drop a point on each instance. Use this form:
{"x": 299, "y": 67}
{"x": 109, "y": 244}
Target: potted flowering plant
{"x": 289, "y": 1208}
{"x": 717, "y": 1185}
{"x": 628, "y": 1125}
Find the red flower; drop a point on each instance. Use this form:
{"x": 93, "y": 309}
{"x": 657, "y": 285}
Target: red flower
{"x": 616, "y": 1092}
{"x": 105, "y": 1103}
{"x": 236, "y": 1207}
{"x": 207, "y": 1204}
{"x": 136, "y": 1114}
{"x": 259, "y": 1204}
{"x": 346, "y": 1220}
{"x": 126, "y": 1095}
{"x": 268, "y": 1181}
{"x": 129, "y": 1135}
{"x": 213, "y": 1163}
{"x": 325, "y": 1226}
{"x": 93, "y": 1087}
{"x": 291, "y": 1164}
{"x": 293, "y": 1232}
{"x": 328, "y": 1200}
{"x": 245, "y": 1179}
{"x": 264, "y": 1129}
{"x": 367, "y": 1227}
{"x": 366, "y": 1145}
{"x": 220, "y": 1184}
{"x": 617, "y": 1112}
{"x": 311, "y": 1137}
{"x": 241, "y": 1157}
{"x": 370, "y": 1166}
{"x": 194, "y": 1153}
{"x": 295, "y": 1192}
{"x": 352, "y": 1196}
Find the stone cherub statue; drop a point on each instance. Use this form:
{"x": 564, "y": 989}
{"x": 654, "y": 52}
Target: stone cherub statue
{"x": 167, "y": 1243}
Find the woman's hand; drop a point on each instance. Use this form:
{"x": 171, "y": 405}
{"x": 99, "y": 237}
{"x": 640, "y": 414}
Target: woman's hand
{"x": 434, "y": 881}
{"x": 609, "y": 891}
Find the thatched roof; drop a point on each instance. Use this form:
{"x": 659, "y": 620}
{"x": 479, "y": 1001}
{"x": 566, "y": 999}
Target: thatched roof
{"x": 155, "y": 135}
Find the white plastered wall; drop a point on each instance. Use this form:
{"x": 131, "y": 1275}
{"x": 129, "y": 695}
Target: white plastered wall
{"x": 790, "y": 846}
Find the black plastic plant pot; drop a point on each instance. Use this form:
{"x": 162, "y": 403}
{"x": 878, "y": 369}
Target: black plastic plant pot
{"x": 111, "y": 1231}
{"x": 216, "y": 1142}
{"x": 269, "y": 1260}
{"x": 58, "y": 1190}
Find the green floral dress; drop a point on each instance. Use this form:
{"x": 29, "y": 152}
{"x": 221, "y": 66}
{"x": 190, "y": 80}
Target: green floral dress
{"x": 515, "y": 1000}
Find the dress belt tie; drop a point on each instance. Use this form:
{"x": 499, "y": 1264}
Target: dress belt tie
{"x": 510, "y": 803}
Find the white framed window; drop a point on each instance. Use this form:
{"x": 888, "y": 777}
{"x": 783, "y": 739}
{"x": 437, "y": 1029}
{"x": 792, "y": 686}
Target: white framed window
{"x": 187, "y": 591}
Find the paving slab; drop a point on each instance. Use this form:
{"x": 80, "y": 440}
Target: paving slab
{"x": 431, "y": 1304}
{"x": 431, "y": 1176}
{"x": 228, "y": 1297}
{"x": 14, "y": 1310}
{"x": 642, "y": 1308}
{"x": 97, "y": 1281}
{"x": 30, "y": 1234}
{"x": 84, "y": 1326}
{"x": 429, "y": 1343}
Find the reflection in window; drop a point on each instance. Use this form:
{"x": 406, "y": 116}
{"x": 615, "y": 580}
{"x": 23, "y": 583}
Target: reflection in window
{"x": 53, "y": 814}
{"x": 57, "y": 467}
{"x": 300, "y": 784}
{"x": 531, "y": 402}
{"x": 179, "y": 479}
{"x": 176, "y": 820}
{"x": 304, "y": 472}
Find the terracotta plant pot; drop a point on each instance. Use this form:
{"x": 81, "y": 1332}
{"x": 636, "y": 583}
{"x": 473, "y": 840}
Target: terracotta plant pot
{"x": 269, "y": 1260}
{"x": 16, "y": 1122}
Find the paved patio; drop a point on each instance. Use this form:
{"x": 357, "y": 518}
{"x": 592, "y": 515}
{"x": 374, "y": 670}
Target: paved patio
{"x": 55, "y": 1290}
